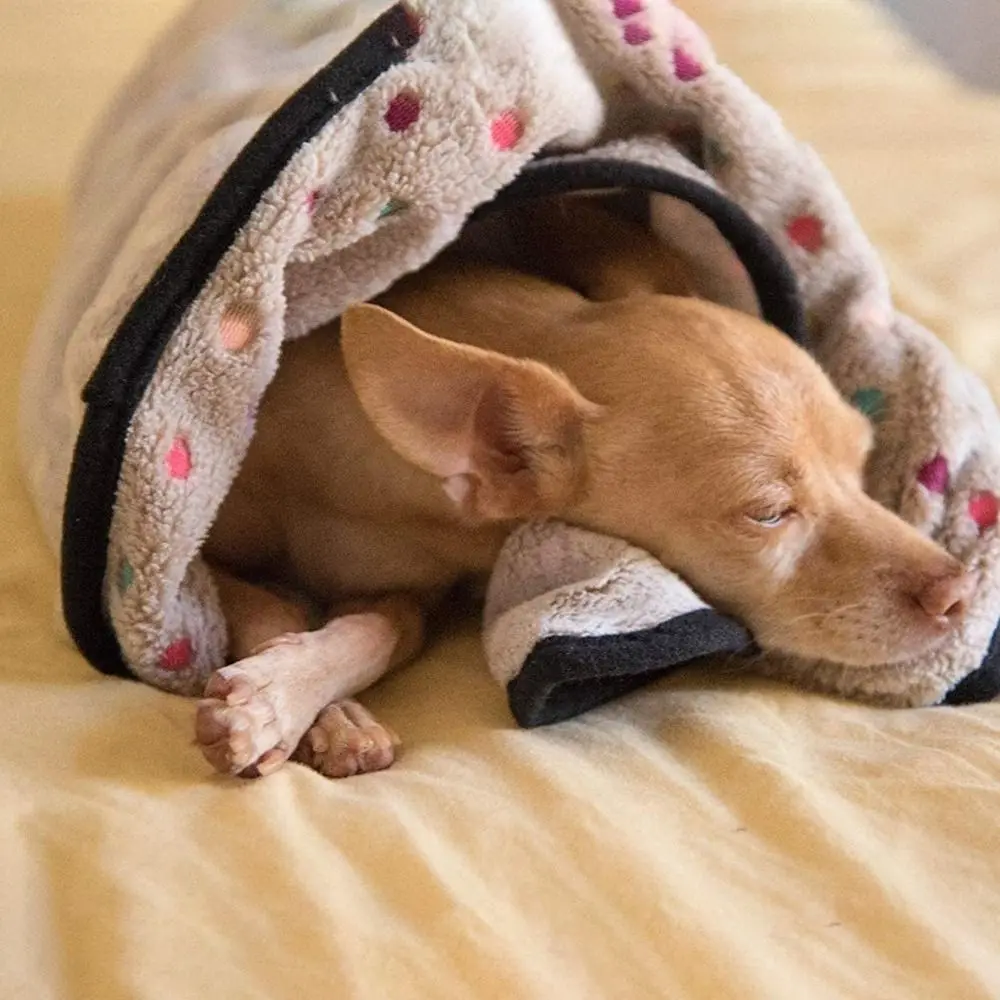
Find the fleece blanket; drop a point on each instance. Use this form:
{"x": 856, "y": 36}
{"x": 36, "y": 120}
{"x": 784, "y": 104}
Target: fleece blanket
{"x": 275, "y": 162}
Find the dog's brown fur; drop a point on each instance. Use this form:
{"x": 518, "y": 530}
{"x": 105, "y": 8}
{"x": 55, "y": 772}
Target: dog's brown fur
{"x": 392, "y": 463}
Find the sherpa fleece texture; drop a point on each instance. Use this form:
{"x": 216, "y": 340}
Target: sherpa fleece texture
{"x": 246, "y": 189}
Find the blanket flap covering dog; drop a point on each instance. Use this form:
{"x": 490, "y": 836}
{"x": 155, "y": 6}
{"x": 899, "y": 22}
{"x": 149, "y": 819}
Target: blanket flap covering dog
{"x": 276, "y": 161}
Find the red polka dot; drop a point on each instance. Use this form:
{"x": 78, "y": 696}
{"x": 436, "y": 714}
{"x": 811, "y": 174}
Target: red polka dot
{"x": 178, "y": 655}
{"x": 403, "y": 111}
{"x": 179, "y": 459}
{"x": 627, "y": 8}
{"x": 507, "y": 130}
{"x": 984, "y": 509}
{"x": 636, "y": 33}
{"x": 934, "y": 475}
{"x": 807, "y": 231}
{"x": 239, "y": 325}
{"x": 686, "y": 67}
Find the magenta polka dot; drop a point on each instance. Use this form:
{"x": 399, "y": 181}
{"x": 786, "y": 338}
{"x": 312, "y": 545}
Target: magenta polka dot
{"x": 808, "y": 232}
{"x": 686, "y": 67}
{"x": 178, "y": 655}
{"x": 984, "y": 509}
{"x": 506, "y": 130}
{"x": 403, "y": 111}
{"x": 627, "y": 8}
{"x": 179, "y": 459}
{"x": 636, "y": 33}
{"x": 934, "y": 475}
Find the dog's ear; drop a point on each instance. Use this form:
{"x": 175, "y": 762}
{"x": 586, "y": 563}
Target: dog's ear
{"x": 505, "y": 436}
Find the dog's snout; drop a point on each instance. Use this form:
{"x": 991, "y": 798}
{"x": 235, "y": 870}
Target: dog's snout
{"x": 945, "y": 598}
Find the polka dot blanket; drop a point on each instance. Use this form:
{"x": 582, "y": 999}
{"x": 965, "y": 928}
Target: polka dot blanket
{"x": 276, "y": 161}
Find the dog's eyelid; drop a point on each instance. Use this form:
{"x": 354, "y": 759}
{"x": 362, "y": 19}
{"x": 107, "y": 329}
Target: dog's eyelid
{"x": 774, "y": 519}
{"x": 770, "y": 513}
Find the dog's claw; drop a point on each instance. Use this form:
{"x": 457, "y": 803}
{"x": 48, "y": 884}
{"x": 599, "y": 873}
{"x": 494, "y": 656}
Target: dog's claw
{"x": 272, "y": 761}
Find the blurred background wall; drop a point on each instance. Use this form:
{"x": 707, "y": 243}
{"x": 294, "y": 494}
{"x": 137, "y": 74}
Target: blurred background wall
{"x": 964, "y": 33}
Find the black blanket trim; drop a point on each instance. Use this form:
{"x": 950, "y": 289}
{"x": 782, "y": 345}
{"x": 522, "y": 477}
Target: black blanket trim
{"x": 983, "y": 684}
{"x": 129, "y": 362}
{"x": 773, "y": 279}
{"x": 566, "y": 675}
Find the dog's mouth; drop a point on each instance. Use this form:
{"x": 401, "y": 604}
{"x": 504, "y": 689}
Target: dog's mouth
{"x": 891, "y": 648}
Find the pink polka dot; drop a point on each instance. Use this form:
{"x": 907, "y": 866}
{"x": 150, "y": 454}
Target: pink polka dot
{"x": 403, "y": 111}
{"x": 311, "y": 199}
{"x": 178, "y": 655}
{"x": 507, "y": 130}
{"x": 934, "y": 475}
{"x": 179, "y": 459}
{"x": 636, "y": 33}
{"x": 239, "y": 325}
{"x": 686, "y": 67}
{"x": 627, "y": 8}
{"x": 984, "y": 509}
{"x": 808, "y": 232}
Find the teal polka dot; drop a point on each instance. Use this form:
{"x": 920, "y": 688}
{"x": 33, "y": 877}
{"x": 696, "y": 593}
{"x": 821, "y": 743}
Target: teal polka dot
{"x": 871, "y": 402}
{"x": 392, "y": 207}
{"x": 715, "y": 155}
{"x": 125, "y": 576}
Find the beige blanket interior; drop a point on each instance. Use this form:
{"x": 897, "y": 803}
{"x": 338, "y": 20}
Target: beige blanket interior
{"x": 706, "y": 838}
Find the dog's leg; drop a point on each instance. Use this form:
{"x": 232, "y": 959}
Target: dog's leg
{"x": 346, "y": 739}
{"x": 256, "y": 711}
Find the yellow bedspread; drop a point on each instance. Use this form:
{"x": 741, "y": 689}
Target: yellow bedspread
{"x": 707, "y": 838}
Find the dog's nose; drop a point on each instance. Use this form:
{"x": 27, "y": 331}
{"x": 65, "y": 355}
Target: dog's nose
{"x": 946, "y": 597}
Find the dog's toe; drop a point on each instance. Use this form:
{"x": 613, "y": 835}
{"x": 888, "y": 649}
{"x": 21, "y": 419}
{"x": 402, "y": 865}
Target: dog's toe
{"x": 237, "y": 727}
{"x": 346, "y": 740}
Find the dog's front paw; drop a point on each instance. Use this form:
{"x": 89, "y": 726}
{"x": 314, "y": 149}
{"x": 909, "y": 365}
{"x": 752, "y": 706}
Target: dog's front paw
{"x": 346, "y": 740}
{"x": 237, "y": 725}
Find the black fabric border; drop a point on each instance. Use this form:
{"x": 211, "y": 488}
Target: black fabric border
{"x": 773, "y": 279}
{"x": 983, "y": 684}
{"x": 129, "y": 362}
{"x": 567, "y": 675}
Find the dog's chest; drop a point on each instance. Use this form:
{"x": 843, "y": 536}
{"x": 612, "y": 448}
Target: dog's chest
{"x": 334, "y": 556}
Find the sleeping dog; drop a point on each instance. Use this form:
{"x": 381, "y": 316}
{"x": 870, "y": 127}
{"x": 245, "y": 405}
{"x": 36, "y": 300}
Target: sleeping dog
{"x": 397, "y": 449}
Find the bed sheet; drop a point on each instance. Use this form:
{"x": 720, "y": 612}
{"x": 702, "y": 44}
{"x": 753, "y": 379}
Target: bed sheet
{"x": 710, "y": 837}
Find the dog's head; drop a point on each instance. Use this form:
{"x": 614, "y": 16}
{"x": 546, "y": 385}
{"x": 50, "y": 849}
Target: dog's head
{"x": 698, "y": 433}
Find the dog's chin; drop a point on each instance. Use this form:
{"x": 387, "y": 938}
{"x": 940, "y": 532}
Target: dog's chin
{"x": 856, "y": 655}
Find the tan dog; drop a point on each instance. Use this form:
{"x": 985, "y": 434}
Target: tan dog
{"x": 392, "y": 463}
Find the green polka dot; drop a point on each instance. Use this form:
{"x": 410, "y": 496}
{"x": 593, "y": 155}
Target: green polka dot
{"x": 871, "y": 402}
{"x": 125, "y": 576}
{"x": 392, "y": 207}
{"x": 715, "y": 155}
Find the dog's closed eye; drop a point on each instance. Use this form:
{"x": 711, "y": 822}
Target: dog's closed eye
{"x": 771, "y": 519}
